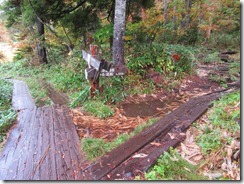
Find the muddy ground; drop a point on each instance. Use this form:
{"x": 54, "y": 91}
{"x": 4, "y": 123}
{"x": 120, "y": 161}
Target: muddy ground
{"x": 136, "y": 110}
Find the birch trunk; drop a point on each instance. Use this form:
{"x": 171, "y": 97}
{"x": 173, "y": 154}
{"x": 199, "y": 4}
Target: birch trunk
{"x": 119, "y": 31}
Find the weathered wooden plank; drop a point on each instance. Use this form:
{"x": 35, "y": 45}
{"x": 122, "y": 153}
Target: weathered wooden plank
{"x": 55, "y": 96}
{"x": 90, "y": 73}
{"x": 71, "y": 155}
{"x": 13, "y": 152}
{"x": 59, "y": 142}
{"x": 77, "y": 156}
{"x": 21, "y": 147}
{"x": 21, "y": 97}
{"x": 52, "y": 151}
{"x": 121, "y": 153}
{"x": 64, "y": 148}
{"x": 134, "y": 166}
{"x": 32, "y": 135}
{"x": 9, "y": 149}
{"x": 42, "y": 145}
{"x": 41, "y": 163}
{"x": 39, "y": 135}
{"x": 118, "y": 71}
{"x": 92, "y": 62}
{"x": 29, "y": 125}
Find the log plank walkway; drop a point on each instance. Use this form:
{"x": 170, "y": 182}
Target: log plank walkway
{"x": 43, "y": 144}
{"x": 137, "y": 154}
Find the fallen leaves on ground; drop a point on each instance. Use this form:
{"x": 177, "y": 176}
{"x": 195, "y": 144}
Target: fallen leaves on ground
{"x": 107, "y": 129}
{"x": 189, "y": 150}
{"x": 223, "y": 163}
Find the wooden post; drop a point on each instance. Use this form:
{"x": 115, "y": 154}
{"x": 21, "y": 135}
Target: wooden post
{"x": 94, "y": 81}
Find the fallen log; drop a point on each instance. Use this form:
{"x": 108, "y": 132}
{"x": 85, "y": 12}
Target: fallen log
{"x": 55, "y": 96}
{"x": 120, "y": 163}
{"x": 229, "y": 52}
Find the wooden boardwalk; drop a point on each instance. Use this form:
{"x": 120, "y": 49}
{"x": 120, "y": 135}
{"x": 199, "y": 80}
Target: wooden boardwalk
{"x": 123, "y": 162}
{"x": 43, "y": 145}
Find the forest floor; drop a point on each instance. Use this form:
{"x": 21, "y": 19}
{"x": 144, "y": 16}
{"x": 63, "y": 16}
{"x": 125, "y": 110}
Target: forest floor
{"x": 135, "y": 110}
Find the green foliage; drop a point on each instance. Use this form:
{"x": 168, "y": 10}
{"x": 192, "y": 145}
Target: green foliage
{"x": 5, "y": 94}
{"x": 210, "y": 141}
{"x": 170, "y": 166}
{"x": 113, "y": 89}
{"x": 7, "y": 115}
{"x": 217, "y": 78}
{"x": 78, "y": 98}
{"x": 103, "y": 34}
{"x": 228, "y": 41}
{"x": 97, "y": 108}
{"x": 95, "y": 148}
{"x": 65, "y": 77}
{"x": 11, "y": 11}
{"x": 234, "y": 69}
{"x": 7, "y": 118}
{"x": 224, "y": 116}
{"x": 211, "y": 57}
{"x": 160, "y": 58}
{"x": 56, "y": 54}
{"x": 224, "y": 113}
{"x": 82, "y": 20}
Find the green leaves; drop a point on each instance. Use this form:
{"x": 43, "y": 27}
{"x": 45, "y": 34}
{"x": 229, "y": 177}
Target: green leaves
{"x": 7, "y": 115}
{"x": 224, "y": 118}
{"x": 170, "y": 166}
{"x": 160, "y": 58}
{"x": 103, "y": 35}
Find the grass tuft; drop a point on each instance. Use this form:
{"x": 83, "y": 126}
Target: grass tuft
{"x": 98, "y": 108}
{"x": 95, "y": 148}
{"x": 170, "y": 166}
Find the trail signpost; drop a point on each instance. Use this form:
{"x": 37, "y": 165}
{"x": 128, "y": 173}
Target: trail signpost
{"x": 100, "y": 67}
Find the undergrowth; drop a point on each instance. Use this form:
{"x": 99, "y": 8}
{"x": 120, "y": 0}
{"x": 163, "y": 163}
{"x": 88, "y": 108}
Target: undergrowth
{"x": 223, "y": 117}
{"x": 170, "y": 166}
{"x": 7, "y": 114}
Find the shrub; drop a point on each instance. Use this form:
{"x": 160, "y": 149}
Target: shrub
{"x": 161, "y": 58}
{"x": 7, "y": 115}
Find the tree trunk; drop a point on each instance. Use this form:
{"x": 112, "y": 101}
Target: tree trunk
{"x": 188, "y": 6}
{"x": 186, "y": 18}
{"x": 174, "y": 16}
{"x": 41, "y": 49}
{"x": 119, "y": 31}
{"x": 165, "y": 11}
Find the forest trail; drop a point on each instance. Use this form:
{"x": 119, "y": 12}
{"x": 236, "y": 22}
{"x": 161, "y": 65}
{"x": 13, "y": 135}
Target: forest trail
{"x": 43, "y": 144}
{"x": 7, "y": 47}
